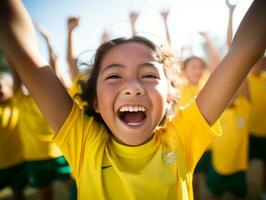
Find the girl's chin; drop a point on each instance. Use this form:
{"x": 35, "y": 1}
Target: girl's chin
{"x": 134, "y": 141}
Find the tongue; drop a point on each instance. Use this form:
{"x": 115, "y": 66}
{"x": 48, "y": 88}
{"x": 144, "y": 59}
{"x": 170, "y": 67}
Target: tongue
{"x": 131, "y": 117}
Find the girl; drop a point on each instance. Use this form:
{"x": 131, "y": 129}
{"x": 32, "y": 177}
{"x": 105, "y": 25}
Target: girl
{"x": 257, "y": 137}
{"x": 229, "y": 152}
{"x": 118, "y": 151}
{"x": 195, "y": 74}
{"x": 12, "y": 167}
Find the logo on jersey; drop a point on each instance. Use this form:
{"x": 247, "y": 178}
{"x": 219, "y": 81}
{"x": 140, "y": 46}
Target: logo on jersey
{"x": 169, "y": 157}
{"x": 105, "y": 167}
{"x": 241, "y": 122}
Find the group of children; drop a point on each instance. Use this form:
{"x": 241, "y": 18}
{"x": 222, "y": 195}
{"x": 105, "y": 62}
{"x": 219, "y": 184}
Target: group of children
{"x": 127, "y": 136}
{"x": 27, "y": 154}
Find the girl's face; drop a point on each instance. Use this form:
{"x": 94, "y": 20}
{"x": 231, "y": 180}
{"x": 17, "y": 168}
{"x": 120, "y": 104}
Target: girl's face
{"x": 194, "y": 71}
{"x": 132, "y": 93}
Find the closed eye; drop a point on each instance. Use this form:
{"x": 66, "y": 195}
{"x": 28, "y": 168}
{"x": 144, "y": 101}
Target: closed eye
{"x": 113, "y": 76}
{"x": 150, "y": 76}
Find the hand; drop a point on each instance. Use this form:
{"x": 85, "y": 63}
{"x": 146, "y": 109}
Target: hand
{"x": 53, "y": 61}
{"x": 73, "y": 22}
{"x": 42, "y": 30}
{"x": 164, "y": 14}
{"x": 230, "y": 6}
{"x": 133, "y": 17}
{"x": 204, "y": 35}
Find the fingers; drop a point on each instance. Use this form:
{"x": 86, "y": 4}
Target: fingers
{"x": 73, "y": 22}
{"x": 133, "y": 17}
{"x": 41, "y": 29}
{"x": 231, "y": 4}
{"x": 164, "y": 14}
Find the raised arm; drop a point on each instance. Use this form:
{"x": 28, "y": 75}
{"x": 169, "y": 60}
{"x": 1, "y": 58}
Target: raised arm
{"x": 72, "y": 23}
{"x": 133, "y": 18}
{"x": 51, "y": 53}
{"x": 19, "y": 43}
{"x": 214, "y": 56}
{"x": 231, "y": 9}
{"x": 53, "y": 59}
{"x": 164, "y": 15}
{"x": 247, "y": 47}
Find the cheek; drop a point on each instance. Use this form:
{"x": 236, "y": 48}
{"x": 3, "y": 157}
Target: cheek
{"x": 105, "y": 97}
{"x": 200, "y": 69}
{"x": 188, "y": 71}
{"x": 195, "y": 73}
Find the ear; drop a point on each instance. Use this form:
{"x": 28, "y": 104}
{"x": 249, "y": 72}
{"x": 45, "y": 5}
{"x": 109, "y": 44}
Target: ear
{"x": 96, "y": 107}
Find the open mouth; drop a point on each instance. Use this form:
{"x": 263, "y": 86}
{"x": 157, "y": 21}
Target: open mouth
{"x": 132, "y": 115}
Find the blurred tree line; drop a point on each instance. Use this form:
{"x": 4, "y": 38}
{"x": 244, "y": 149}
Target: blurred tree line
{"x": 3, "y": 63}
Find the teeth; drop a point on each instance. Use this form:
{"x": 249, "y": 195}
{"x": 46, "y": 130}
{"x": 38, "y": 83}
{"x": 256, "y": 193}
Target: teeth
{"x": 132, "y": 109}
{"x": 134, "y": 123}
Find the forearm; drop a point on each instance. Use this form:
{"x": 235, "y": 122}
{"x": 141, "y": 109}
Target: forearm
{"x": 247, "y": 47}
{"x": 250, "y": 38}
{"x": 17, "y": 39}
{"x": 133, "y": 30}
{"x": 214, "y": 56}
{"x": 70, "y": 56}
{"x": 249, "y": 42}
{"x": 17, "y": 33}
{"x": 229, "y": 30}
{"x": 167, "y": 32}
{"x": 47, "y": 39}
{"x": 51, "y": 55}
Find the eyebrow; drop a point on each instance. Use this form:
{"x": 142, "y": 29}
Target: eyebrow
{"x": 149, "y": 64}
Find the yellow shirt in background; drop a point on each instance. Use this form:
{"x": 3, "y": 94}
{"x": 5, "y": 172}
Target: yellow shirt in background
{"x": 230, "y": 151}
{"x": 187, "y": 93}
{"x": 35, "y": 131}
{"x": 257, "y": 86}
{"x": 159, "y": 169}
{"x": 10, "y": 141}
{"x": 204, "y": 78}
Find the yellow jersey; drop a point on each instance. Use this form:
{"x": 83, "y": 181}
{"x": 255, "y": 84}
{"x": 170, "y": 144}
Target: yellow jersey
{"x": 257, "y": 87}
{"x": 10, "y": 140}
{"x": 230, "y": 151}
{"x": 36, "y": 133}
{"x": 159, "y": 169}
{"x": 187, "y": 93}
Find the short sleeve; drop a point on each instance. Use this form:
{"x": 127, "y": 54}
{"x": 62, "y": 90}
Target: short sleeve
{"x": 194, "y": 133}
{"x": 76, "y": 136}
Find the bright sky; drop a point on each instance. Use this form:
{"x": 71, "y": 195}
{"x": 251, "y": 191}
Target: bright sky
{"x": 186, "y": 18}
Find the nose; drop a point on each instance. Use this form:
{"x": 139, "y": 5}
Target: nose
{"x": 133, "y": 88}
